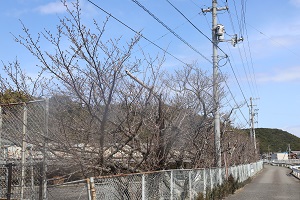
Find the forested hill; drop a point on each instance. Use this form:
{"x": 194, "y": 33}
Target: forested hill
{"x": 277, "y": 140}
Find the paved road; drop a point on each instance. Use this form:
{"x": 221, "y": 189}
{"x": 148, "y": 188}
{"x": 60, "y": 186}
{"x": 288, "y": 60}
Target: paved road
{"x": 272, "y": 183}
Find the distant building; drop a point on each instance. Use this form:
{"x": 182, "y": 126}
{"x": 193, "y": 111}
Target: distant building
{"x": 280, "y": 156}
{"x": 296, "y": 154}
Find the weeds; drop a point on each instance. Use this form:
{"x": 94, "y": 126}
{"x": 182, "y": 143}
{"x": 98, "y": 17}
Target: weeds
{"x": 221, "y": 191}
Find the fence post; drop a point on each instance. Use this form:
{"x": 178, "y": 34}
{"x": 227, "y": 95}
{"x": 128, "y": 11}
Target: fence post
{"x": 9, "y": 177}
{"x": 143, "y": 187}
{"x": 93, "y": 190}
{"x": 1, "y": 151}
{"x": 88, "y": 186}
{"x": 45, "y": 149}
{"x": 204, "y": 182}
{"x": 171, "y": 185}
{"x": 211, "y": 180}
{"x": 190, "y": 184}
{"x": 24, "y": 144}
{"x": 220, "y": 176}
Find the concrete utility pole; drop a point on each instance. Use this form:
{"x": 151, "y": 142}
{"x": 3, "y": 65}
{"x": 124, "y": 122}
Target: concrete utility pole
{"x": 252, "y": 128}
{"x": 216, "y": 86}
{"x": 217, "y": 36}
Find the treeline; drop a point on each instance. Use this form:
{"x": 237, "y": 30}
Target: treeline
{"x": 276, "y": 140}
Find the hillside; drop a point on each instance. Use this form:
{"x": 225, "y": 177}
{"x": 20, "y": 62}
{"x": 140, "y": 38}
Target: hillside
{"x": 276, "y": 139}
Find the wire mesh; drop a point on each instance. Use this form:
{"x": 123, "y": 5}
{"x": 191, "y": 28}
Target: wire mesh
{"x": 171, "y": 184}
{"x": 127, "y": 187}
{"x": 22, "y": 128}
{"x": 30, "y": 188}
{"x": 68, "y": 191}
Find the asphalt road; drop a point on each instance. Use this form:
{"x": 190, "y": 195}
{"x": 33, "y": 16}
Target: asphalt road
{"x": 270, "y": 184}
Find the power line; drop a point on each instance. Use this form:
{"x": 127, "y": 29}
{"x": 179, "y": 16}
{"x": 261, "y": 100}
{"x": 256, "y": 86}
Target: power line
{"x": 237, "y": 81}
{"x": 195, "y": 26}
{"x": 245, "y": 31}
{"x": 235, "y": 101}
{"x": 169, "y": 29}
{"x": 138, "y": 33}
{"x": 242, "y": 60}
{"x": 273, "y": 40}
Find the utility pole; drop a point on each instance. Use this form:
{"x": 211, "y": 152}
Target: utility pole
{"x": 252, "y": 128}
{"x": 289, "y": 151}
{"x": 218, "y": 32}
{"x": 217, "y": 36}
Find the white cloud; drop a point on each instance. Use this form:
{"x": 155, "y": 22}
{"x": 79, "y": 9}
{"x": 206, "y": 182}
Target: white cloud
{"x": 52, "y": 7}
{"x": 280, "y": 75}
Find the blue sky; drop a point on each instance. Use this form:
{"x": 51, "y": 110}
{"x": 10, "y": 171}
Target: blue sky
{"x": 265, "y": 63}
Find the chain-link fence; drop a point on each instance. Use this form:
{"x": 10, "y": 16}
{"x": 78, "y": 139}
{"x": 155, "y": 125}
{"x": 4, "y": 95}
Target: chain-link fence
{"x": 14, "y": 185}
{"x": 171, "y": 184}
{"x": 24, "y": 163}
{"x": 23, "y": 127}
{"x": 79, "y": 190}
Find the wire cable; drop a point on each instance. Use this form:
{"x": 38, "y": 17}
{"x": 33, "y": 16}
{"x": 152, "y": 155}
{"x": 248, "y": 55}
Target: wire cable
{"x": 138, "y": 33}
{"x": 169, "y": 29}
{"x": 236, "y": 101}
{"x": 196, "y": 27}
{"x": 237, "y": 81}
{"x": 252, "y": 85}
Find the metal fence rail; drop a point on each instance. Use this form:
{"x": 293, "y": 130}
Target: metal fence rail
{"x": 296, "y": 171}
{"x": 170, "y": 184}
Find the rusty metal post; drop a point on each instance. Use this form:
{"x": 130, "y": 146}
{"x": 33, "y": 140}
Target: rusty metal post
{"x": 88, "y": 186}
{"x": 93, "y": 190}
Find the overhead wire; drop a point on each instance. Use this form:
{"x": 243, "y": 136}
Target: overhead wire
{"x": 180, "y": 38}
{"x": 245, "y": 32}
{"x": 251, "y": 80}
{"x": 167, "y": 33}
{"x": 136, "y": 32}
{"x": 243, "y": 64}
{"x": 172, "y": 31}
{"x": 196, "y": 27}
{"x": 268, "y": 37}
{"x": 240, "y": 88}
{"x": 236, "y": 101}
{"x": 234, "y": 113}
{"x": 226, "y": 57}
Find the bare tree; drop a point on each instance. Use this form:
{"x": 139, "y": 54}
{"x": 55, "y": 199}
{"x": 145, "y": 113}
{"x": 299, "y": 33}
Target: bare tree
{"x": 103, "y": 121}
{"x": 88, "y": 69}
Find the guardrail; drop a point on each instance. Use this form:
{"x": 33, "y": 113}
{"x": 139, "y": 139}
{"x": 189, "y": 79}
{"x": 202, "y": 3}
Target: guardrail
{"x": 296, "y": 171}
{"x": 287, "y": 162}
